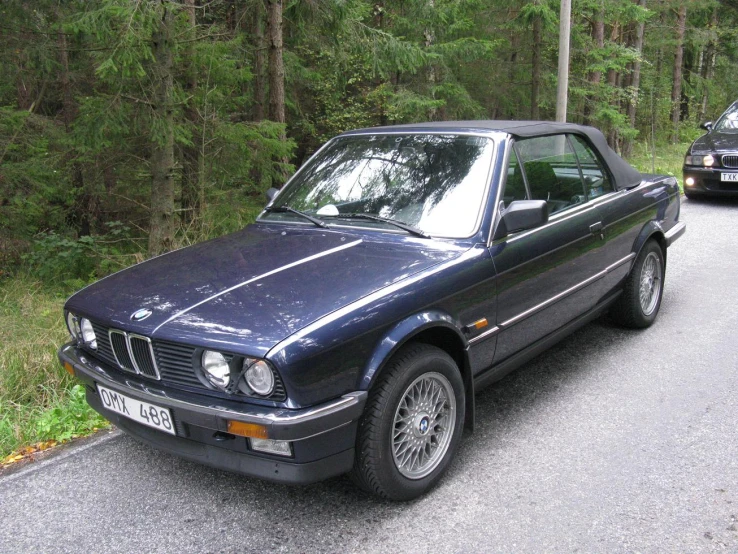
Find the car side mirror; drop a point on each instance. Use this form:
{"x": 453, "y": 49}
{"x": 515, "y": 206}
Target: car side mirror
{"x": 707, "y": 126}
{"x": 271, "y": 193}
{"x": 521, "y": 215}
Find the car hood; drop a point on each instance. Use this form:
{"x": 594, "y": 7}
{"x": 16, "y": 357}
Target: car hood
{"x": 247, "y": 291}
{"x": 715, "y": 141}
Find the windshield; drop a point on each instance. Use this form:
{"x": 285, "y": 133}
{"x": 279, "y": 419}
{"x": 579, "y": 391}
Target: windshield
{"x": 434, "y": 183}
{"x": 728, "y": 121}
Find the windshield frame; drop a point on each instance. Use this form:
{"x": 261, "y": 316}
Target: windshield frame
{"x": 492, "y": 137}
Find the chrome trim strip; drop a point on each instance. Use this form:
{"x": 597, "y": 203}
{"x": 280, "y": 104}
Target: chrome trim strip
{"x": 487, "y": 334}
{"x": 613, "y": 267}
{"x": 546, "y": 303}
{"x": 259, "y": 277}
{"x": 537, "y": 308}
{"x": 582, "y": 208}
{"x": 151, "y": 352}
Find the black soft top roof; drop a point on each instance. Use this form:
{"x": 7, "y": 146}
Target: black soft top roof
{"x": 624, "y": 175}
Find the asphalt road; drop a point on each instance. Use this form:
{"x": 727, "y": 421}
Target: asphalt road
{"x": 612, "y": 441}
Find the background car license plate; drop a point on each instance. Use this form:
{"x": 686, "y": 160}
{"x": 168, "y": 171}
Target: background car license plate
{"x": 142, "y": 412}
{"x": 729, "y": 177}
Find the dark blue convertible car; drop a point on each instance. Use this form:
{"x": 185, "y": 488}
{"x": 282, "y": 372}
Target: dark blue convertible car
{"x": 399, "y": 271}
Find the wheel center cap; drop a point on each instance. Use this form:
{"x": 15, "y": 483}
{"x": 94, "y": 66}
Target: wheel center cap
{"x": 422, "y": 424}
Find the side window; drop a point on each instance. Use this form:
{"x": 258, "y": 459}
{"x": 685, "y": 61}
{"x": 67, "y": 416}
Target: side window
{"x": 596, "y": 180}
{"x": 552, "y": 172}
{"x": 515, "y": 185}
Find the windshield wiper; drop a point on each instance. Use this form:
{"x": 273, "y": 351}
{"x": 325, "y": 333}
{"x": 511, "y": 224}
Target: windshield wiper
{"x": 404, "y": 226}
{"x": 287, "y": 209}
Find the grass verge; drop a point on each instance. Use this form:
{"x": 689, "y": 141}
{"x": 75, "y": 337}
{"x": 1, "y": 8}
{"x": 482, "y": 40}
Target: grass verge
{"x": 664, "y": 159}
{"x": 39, "y": 401}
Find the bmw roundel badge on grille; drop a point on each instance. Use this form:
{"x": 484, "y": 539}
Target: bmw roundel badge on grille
{"x": 141, "y": 314}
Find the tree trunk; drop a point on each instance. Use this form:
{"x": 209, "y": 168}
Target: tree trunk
{"x": 635, "y": 83}
{"x": 676, "y": 91}
{"x": 276, "y": 69}
{"x": 535, "y": 82}
{"x": 162, "y": 223}
{"x": 708, "y": 64}
{"x": 595, "y": 77}
{"x": 192, "y": 180}
{"x": 259, "y": 62}
{"x": 276, "y": 62}
{"x": 429, "y": 37}
{"x": 83, "y": 202}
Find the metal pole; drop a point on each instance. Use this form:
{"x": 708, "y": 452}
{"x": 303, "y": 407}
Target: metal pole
{"x": 563, "y": 85}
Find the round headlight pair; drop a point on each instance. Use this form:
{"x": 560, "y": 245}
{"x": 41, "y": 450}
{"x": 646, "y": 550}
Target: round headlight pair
{"x": 81, "y": 329}
{"x": 256, "y": 375}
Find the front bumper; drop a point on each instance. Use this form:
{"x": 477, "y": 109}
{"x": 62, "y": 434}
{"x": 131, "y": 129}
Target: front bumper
{"x": 707, "y": 181}
{"x": 322, "y": 437}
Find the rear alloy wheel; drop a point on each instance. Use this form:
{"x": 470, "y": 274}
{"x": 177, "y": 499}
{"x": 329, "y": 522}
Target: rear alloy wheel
{"x": 639, "y": 304}
{"x": 412, "y": 424}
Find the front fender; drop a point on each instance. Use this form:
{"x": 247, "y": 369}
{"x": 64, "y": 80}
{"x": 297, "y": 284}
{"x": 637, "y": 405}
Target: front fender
{"x": 400, "y": 334}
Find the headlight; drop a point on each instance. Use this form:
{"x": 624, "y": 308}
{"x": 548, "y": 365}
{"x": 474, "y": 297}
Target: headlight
{"x": 216, "y": 369}
{"x": 259, "y": 377}
{"x": 702, "y": 161}
{"x": 73, "y": 325}
{"x": 88, "y": 333}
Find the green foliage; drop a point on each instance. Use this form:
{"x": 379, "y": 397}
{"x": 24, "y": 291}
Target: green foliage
{"x": 38, "y": 399}
{"x": 76, "y": 261}
{"x": 68, "y": 417}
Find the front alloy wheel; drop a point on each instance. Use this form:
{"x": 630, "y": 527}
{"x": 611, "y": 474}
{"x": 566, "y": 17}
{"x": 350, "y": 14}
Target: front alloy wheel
{"x": 412, "y": 424}
{"x": 423, "y": 426}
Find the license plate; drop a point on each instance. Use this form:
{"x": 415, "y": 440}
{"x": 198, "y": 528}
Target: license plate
{"x": 142, "y": 412}
{"x": 729, "y": 177}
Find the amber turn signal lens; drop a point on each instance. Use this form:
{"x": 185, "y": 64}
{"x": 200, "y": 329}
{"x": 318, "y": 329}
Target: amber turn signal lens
{"x": 69, "y": 368}
{"x": 247, "y": 429}
{"x": 481, "y": 324}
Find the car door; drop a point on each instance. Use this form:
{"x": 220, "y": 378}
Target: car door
{"x": 545, "y": 273}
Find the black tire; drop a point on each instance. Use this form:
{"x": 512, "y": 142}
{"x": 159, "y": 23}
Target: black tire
{"x": 375, "y": 468}
{"x": 631, "y": 309}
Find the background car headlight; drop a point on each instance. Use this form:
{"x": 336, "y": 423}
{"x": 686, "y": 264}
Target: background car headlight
{"x": 73, "y": 325}
{"x": 216, "y": 369}
{"x": 259, "y": 377}
{"x": 88, "y": 333}
{"x": 702, "y": 160}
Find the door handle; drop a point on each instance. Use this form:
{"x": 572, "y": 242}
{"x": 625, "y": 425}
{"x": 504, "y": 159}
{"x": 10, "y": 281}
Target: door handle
{"x": 596, "y": 229}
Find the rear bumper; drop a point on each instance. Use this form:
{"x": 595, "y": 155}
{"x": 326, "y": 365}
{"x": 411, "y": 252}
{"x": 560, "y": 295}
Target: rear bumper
{"x": 675, "y": 232}
{"x": 322, "y": 437}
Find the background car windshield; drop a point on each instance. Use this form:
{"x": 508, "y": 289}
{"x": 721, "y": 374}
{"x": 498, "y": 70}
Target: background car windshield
{"x": 728, "y": 121}
{"x": 433, "y": 182}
